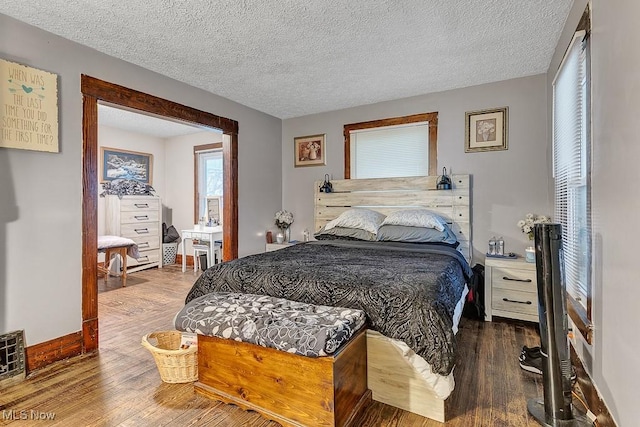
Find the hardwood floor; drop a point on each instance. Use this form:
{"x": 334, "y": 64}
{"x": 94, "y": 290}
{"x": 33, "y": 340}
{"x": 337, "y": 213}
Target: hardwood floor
{"x": 120, "y": 386}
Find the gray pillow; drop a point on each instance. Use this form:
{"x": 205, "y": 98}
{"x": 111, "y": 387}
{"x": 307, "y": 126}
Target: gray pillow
{"x": 344, "y": 233}
{"x": 362, "y": 218}
{"x": 415, "y": 218}
{"x": 403, "y": 233}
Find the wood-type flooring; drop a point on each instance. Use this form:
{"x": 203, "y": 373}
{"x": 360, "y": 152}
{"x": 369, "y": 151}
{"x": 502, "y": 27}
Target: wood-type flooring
{"x": 120, "y": 385}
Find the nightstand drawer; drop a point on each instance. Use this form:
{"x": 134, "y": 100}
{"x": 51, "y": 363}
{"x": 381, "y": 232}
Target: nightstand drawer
{"x": 514, "y": 279}
{"x": 511, "y": 289}
{"x": 515, "y": 301}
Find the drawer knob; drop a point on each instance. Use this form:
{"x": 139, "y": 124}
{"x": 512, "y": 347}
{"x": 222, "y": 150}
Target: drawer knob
{"x": 516, "y": 280}
{"x": 141, "y": 230}
{"x": 519, "y": 302}
{"x": 142, "y": 205}
{"x": 143, "y": 258}
{"x": 141, "y": 217}
{"x": 143, "y": 245}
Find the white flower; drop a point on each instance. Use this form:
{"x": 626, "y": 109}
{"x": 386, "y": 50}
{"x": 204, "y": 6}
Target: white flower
{"x": 284, "y": 219}
{"x": 526, "y": 224}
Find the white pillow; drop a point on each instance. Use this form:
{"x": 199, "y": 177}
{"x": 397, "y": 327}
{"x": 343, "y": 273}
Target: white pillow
{"x": 364, "y": 219}
{"x": 416, "y": 218}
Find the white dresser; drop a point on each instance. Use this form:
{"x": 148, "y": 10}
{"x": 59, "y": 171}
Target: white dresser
{"x": 510, "y": 289}
{"x": 138, "y": 218}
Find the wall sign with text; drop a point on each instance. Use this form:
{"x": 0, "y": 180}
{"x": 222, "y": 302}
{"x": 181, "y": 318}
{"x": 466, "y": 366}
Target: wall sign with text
{"x": 28, "y": 108}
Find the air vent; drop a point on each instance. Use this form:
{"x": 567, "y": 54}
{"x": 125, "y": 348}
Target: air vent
{"x": 12, "y": 356}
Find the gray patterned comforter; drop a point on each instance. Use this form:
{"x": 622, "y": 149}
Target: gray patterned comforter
{"x": 408, "y": 291}
{"x": 295, "y": 327}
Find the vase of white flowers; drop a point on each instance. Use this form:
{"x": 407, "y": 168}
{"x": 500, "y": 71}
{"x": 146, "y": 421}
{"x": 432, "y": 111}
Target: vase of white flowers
{"x": 526, "y": 224}
{"x": 284, "y": 219}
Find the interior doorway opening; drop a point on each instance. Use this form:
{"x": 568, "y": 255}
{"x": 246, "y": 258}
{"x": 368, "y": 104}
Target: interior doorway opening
{"x": 95, "y": 91}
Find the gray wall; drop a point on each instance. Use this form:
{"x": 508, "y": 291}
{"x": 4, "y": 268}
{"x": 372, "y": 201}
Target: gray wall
{"x": 41, "y": 193}
{"x": 613, "y": 359}
{"x": 506, "y": 184}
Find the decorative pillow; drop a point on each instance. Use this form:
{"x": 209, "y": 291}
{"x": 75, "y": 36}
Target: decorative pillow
{"x": 416, "y": 218}
{"x": 344, "y": 233}
{"x": 364, "y": 219}
{"x": 403, "y": 233}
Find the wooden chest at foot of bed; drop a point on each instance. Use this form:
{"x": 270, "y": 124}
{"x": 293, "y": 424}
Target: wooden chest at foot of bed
{"x": 288, "y": 388}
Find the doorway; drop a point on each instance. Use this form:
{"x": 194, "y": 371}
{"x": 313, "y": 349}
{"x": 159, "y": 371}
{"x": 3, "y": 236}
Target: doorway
{"x": 94, "y": 90}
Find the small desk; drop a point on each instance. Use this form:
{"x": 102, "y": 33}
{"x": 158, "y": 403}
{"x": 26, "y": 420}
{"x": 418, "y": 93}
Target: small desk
{"x": 208, "y": 234}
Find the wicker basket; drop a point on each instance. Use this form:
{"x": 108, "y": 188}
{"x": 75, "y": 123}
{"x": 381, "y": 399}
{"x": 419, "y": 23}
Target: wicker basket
{"x": 169, "y": 253}
{"x": 176, "y": 365}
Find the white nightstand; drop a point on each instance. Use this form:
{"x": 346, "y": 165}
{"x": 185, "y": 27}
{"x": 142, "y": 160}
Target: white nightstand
{"x": 275, "y": 246}
{"x": 510, "y": 289}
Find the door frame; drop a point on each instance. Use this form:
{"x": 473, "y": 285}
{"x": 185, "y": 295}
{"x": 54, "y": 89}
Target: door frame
{"x": 94, "y": 90}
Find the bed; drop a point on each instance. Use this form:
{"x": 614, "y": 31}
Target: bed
{"x": 412, "y": 293}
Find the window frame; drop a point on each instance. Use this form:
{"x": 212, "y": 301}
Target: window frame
{"x": 196, "y": 176}
{"x": 431, "y": 118}
{"x": 580, "y": 315}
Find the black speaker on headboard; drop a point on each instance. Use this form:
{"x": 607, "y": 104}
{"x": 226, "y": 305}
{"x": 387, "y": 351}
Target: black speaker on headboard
{"x": 556, "y": 408}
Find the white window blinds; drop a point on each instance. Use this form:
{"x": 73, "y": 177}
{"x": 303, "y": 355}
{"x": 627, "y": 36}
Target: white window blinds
{"x": 210, "y": 177}
{"x": 390, "y": 151}
{"x": 571, "y": 165}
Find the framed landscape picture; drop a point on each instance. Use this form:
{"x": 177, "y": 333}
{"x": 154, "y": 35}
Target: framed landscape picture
{"x": 309, "y": 150}
{"x": 124, "y": 164}
{"x": 486, "y": 130}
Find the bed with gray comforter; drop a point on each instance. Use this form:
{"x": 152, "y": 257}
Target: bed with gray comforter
{"x": 408, "y": 291}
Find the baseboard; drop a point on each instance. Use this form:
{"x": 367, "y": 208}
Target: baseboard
{"x": 45, "y": 353}
{"x": 592, "y": 398}
{"x": 189, "y": 259}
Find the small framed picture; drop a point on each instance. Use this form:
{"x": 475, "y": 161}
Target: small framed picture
{"x": 309, "y": 150}
{"x": 124, "y": 164}
{"x": 486, "y": 130}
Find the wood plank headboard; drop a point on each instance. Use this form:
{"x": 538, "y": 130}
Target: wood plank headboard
{"x": 389, "y": 194}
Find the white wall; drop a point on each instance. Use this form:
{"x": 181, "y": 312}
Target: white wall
{"x": 180, "y": 178}
{"x": 506, "y": 184}
{"x": 41, "y": 206}
{"x": 117, "y": 138}
{"x": 614, "y": 358}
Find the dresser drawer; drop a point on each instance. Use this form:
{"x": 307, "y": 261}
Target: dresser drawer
{"x": 514, "y": 279}
{"x": 141, "y": 229}
{"x": 145, "y": 258}
{"x": 139, "y": 204}
{"x": 133, "y": 217}
{"x": 146, "y": 242}
{"x": 514, "y": 301}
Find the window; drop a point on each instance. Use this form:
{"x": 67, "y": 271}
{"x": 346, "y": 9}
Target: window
{"x": 400, "y": 146}
{"x": 209, "y": 176}
{"x": 572, "y": 171}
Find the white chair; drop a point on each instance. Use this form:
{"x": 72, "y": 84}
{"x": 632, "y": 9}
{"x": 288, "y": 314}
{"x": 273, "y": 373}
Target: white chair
{"x": 217, "y": 251}
{"x": 199, "y": 249}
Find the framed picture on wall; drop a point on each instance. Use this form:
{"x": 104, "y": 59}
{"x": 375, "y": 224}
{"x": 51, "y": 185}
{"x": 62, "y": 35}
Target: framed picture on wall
{"x": 309, "y": 150}
{"x": 486, "y": 130}
{"x": 123, "y": 164}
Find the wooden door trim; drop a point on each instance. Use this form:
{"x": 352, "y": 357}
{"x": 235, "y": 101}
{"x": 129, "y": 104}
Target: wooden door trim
{"x": 94, "y": 90}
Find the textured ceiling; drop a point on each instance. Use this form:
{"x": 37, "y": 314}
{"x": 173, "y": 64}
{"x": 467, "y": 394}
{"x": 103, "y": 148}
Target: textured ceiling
{"x": 291, "y": 58}
{"x": 144, "y": 124}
